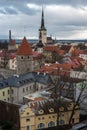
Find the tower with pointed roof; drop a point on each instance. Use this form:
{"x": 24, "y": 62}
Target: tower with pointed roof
{"x": 12, "y": 43}
{"x": 24, "y": 57}
{"x": 43, "y": 31}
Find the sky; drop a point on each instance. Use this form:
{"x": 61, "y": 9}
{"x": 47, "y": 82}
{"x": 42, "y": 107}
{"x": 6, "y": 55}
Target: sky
{"x": 64, "y": 19}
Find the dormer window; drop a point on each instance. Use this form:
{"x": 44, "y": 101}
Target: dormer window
{"x": 61, "y": 108}
{"x": 41, "y": 111}
{"x": 51, "y": 110}
{"x": 27, "y": 113}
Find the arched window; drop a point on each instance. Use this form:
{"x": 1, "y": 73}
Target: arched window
{"x": 41, "y": 125}
{"x": 61, "y": 122}
{"x": 50, "y": 124}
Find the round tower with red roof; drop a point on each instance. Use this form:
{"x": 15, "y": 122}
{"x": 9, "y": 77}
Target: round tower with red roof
{"x": 24, "y": 57}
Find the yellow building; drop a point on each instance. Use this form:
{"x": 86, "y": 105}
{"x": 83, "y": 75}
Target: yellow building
{"x": 43, "y": 114}
{"x": 4, "y": 92}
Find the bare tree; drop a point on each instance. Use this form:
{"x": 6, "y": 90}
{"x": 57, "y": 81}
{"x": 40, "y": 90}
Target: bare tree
{"x": 83, "y": 87}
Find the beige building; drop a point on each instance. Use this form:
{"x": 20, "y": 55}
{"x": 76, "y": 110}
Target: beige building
{"x": 12, "y": 63}
{"x": 4, "y": 91}
{"x": 43, "y": 114}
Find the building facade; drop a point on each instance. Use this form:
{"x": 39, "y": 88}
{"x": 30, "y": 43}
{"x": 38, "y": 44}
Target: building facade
{"x": 42, "y": 115}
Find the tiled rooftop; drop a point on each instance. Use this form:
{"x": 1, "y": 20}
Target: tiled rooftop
{"x": 24, "y": 48}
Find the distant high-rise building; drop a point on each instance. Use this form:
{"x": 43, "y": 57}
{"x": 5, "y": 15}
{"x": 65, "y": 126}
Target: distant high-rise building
{"x": 9, "y": 35}
{"x": 43, "y": 31}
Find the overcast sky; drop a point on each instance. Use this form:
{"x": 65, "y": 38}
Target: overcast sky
{"x": 64, "y": 19}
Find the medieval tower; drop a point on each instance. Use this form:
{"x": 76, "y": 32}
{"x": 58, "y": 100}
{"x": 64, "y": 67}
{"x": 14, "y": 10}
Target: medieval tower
{"x": 42, "y": 31}
{"x": 24, "y": 57}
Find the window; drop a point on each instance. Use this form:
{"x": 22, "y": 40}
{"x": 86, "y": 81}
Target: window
{"x": 41, "y": 111}
{"x": 50, "y": 124}
{"x": 27, "y": 128}
{"x": 51, "y": 110}
{"x": 28, "y": 57}
{"x": 27, "y": 113}
{"x": 41, "y": 125}
{"x": 21, "y": 57}
{"x": 61, "y": 122}
{"x": 28, "y": 119}
{"x": 12, "y": 66}
{"x": 3, "y": 93}
{"x": 39, "y": 118}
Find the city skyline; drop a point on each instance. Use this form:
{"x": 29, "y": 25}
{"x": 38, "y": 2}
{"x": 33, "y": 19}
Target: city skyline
{"x": 63, "y": 19}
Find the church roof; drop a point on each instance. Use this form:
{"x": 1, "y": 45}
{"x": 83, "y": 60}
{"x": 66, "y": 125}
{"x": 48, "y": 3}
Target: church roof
{"x": 24, "y": 48}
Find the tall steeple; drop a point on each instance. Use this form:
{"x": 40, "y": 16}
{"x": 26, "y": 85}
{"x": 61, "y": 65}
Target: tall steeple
{"x": 42, "y": 31}
{"x": 42, "y": 21}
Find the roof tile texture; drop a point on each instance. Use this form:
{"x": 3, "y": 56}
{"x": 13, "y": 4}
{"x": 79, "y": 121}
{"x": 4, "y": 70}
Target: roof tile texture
{"x": 24, "y": 48}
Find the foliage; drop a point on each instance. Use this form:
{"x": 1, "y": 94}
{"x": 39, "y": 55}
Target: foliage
{"x": 7, "y": 125}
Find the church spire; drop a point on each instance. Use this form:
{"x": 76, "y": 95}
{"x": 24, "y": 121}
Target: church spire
{"x": 42, "y": 21}
{"x": 42, "y": 31}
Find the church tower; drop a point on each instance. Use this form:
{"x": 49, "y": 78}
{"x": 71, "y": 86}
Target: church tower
{"x": 24, "y": 57}
{"x": 42, "y": 31}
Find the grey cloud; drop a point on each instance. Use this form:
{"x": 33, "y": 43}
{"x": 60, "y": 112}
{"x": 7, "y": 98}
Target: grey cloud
{"x": 60, "y": 2}
{"x": 2, "y": 11}
{"x": 21, "y": 5}
{"x": 18, "y": 5}
{"x": 10, "y": 11}
{"x": 61, "y": 24}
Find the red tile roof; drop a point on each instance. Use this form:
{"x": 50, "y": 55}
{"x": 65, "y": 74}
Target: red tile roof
{"x": 76, "y": 52}
{"x": 51, "y": 48}
{"x": 24, "y": 48}
{"x": 61, "y": 52}
{"x": 37, "y": 56}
